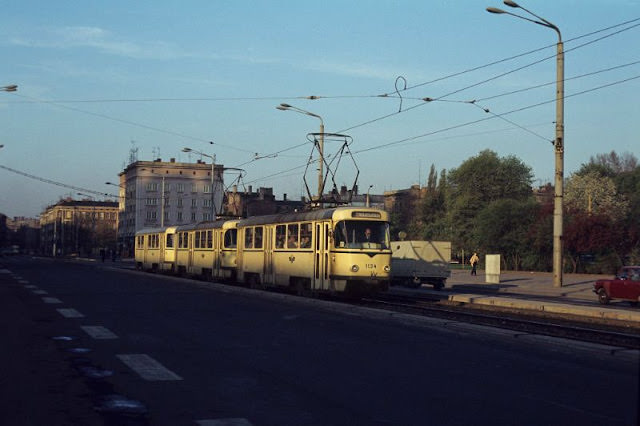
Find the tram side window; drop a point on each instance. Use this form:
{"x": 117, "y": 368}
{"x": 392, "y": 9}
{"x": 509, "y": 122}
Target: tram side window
{"x": 196, "y": 242}
{"x": 140, "y": 241}
{"x": 305, "y": 235}
{"x": 169, "y": 241}
{"x": 209, "y": 239}
{"x": 292, "y": 236}
{"x": 281, "y": 232}
{"x": 248, "y": 238}
{"x": 183, "y": 240}
{"x": 257, "y": 241}
{"x": 230, "y": 238}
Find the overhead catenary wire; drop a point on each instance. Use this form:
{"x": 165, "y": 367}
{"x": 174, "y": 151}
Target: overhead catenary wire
{"x": 426, "y": 100}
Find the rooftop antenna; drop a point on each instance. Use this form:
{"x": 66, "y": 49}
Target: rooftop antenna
{"x": 133, "y": 152}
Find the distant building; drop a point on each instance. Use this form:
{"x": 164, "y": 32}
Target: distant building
{"x": 156, "y": 193}
{"x": 24, "y": 232}
{"x": 404, "y": 201}
{"x": 261, "y": 202}
{"x": 4, "y": 232}
{"x": 78, "y": 227}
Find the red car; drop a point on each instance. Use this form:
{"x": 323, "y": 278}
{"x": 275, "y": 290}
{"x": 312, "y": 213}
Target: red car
{"x": 625, "y": 286}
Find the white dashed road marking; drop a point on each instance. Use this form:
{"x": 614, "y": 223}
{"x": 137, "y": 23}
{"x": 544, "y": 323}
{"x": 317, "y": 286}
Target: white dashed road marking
{"x": 224, "y": 422}
{"x": 51, "y": 300}
{"x": 70, "y": 313}
{"x": 39, "y": 292}
{"x": 147, "y": 367}
{"x": 98, "y": 332}
{"x": 31, "y": 286}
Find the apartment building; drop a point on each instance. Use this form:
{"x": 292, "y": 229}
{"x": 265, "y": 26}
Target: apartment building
{"x": 80, "y": 227}
{"x": 156, "y": 194}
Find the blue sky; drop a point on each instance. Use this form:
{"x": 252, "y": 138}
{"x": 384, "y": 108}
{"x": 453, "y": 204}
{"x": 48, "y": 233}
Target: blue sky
{"x": 98, "y": 78}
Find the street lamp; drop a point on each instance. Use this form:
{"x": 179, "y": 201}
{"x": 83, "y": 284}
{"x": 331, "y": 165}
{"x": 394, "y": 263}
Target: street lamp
{"x": 287, "y": 107}
{"x": 368, "y": 199}
{"x": 559, "y": 140}
{"x": 213, "y": 164}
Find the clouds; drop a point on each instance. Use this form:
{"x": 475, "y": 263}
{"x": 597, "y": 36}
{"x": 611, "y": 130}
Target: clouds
{"x": 99, "y": 40}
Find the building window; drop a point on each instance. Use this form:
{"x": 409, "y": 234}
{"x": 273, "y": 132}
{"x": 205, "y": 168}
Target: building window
{"x": 180, "y": 187}
{"x": 194, "y": 187}
{"x": 151, "y": 215}
{"x": 193, "y": 216}
{"x": 151, "y": 202}
{"x": 179, "y": 216}
{"x": 179, "y": 202}
{"x": 152, "y": 186}
{"x": 206, "y": 202}
{"x": 206, "y": 216}
{"x": 194, "y": 202}
{"x": 207, "y": 189}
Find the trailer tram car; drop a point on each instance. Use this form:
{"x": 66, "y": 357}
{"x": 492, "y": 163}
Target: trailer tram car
{"x": 208, "y": 250}
{"x": 154, "y": 249}
{"x": 317, "y": 251}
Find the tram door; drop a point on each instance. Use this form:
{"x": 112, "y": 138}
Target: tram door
{"x": 268, "y": 270}
{"x": 321, "y": 257}
{"x": 190, "y": 250}
{"x": 217, "y": 244}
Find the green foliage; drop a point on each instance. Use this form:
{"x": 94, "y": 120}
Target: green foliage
{"x": 502, "y": 227}
{"x": 478, "y": 182}
{"x": 487, "y": 205}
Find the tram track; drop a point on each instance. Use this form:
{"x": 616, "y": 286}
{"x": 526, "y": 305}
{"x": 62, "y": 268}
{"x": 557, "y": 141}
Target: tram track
{"x": 526, "y": 322}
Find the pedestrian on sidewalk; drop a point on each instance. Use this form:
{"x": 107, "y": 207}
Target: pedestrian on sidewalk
{"x": 474, "y": 263}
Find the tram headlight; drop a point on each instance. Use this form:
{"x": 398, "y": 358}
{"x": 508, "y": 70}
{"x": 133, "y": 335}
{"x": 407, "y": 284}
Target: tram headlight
{"x": 387, "y": 268}
{"x": 355, "y": 268}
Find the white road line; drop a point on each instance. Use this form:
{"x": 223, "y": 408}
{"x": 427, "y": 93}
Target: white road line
{"x": 224, "y": 422}
{"x": 70, "y": 313}
{"x": 23, "y": 281}
{"x": 98, "y": 332}
{"x": 31, "y": 286}
{"x": 40, "y": 292}
{"x": 147, "y": 367}
{"x": 5, "y": 271}
{"x": 51, "y": 300}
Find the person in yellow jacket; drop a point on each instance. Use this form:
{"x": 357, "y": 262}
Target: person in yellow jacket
{"x": 474, "y": 263}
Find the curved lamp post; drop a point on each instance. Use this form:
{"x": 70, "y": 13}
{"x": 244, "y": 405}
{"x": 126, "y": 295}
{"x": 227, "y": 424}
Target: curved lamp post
{"x": 287, "y": 107}
{"x": 559, "y": 140}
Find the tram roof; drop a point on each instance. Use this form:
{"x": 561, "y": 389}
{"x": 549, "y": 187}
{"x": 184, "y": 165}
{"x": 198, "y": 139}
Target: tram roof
{"x": 336, "y": 213}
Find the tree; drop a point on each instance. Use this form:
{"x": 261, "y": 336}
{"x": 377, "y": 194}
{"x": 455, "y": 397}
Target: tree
{"x": 592, "y": 235}
{"x": 595, "y": 194}
{"x": 617, "y": 163}
{"x": 432, "y": 209}
{"x": 478, "y": 182}
{"x": 502, "y": 227}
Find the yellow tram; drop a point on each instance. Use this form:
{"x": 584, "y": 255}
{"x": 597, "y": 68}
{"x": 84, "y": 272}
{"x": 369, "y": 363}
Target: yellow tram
{"x": 335, "y": 250}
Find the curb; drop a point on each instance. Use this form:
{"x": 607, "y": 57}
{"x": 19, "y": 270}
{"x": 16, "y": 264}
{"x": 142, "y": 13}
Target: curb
{"x": 557, "y": 308}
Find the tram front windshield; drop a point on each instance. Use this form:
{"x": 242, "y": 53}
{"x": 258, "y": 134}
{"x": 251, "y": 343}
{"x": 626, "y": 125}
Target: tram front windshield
{"x": 361, "y": 234}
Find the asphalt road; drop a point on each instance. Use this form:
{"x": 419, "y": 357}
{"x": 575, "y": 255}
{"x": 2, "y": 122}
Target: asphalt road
{"x": 184, "y": 352}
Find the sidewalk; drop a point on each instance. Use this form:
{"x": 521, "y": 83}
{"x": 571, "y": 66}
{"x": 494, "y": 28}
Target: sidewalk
{"x": 535, "y": 291}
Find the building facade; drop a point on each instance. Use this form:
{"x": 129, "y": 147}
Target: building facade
{"x": 78, "y": 227}
{"x": 262, "y": 202}
{"x": 156, "y": 194}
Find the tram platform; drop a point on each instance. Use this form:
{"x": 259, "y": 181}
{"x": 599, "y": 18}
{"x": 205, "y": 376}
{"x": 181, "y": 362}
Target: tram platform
{"x": 534, "y": 291}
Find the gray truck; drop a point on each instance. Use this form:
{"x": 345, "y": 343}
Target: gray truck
{"x": 414, "y": 263}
